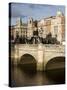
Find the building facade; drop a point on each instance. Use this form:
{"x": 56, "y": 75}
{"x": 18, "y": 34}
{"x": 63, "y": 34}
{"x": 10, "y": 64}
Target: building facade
{"x": 54, "y": 25}
{"x": 19, "y": 30}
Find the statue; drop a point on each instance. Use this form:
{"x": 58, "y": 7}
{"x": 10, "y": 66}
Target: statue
{"x": 36, "y": 38}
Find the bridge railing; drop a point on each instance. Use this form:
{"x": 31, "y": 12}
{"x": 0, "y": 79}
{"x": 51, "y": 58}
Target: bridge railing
{"x": 47, "y": 45}
{"x": 44, "y": 46}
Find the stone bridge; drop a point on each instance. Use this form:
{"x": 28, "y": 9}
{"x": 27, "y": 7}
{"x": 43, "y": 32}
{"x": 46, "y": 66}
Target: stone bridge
{"x": 42, "y": 53}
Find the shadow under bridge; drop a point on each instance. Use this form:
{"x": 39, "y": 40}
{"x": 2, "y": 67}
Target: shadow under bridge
{"x": 28, "y": 63}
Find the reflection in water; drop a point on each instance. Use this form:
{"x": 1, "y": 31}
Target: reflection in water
{"x": 21, "y": 78}
{"x": 57, "y": 75}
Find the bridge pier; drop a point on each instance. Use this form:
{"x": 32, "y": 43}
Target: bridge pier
{"x": 16, "y": 55}
{"x": 40, "y": 58}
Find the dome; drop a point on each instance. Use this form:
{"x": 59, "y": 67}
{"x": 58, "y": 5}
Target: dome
{"x": 59, "y": 13}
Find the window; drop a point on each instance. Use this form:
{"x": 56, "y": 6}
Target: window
{"x": 55, "y": 30}
{"x": 17, "y": 34}
{"x": 30, "y": 21}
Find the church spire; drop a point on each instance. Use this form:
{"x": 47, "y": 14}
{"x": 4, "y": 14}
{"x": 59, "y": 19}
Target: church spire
{"x": 19, "y": 21}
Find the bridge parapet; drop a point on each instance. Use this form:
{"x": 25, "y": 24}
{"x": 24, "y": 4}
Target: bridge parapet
{"x": 46, "y": 47}
{"x": 58, "y": 48}
{"x": 26, "y": 46}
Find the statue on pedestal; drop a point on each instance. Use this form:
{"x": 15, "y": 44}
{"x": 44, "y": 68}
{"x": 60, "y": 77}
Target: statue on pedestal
{"x": 36, "y": 38}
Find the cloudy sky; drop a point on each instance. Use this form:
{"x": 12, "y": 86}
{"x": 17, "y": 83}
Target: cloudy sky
{"x": 37, "y": 11}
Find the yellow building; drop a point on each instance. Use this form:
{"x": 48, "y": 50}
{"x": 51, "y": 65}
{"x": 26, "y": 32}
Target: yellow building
{"x": 54, "y": 25}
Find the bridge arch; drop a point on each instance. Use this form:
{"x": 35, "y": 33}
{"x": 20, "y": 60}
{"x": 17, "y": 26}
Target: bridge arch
{"x": 28, "y": 62}
{"x": 55, "y": 62}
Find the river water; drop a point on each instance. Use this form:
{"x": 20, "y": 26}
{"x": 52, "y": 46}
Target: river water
{"x": 21, "y": 78}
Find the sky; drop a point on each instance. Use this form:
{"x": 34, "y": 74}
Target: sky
{"x": 37, "y": 11}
